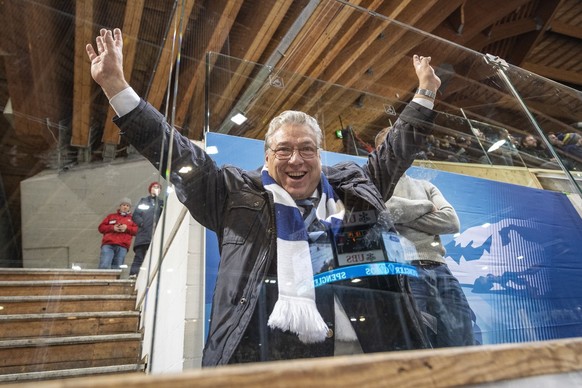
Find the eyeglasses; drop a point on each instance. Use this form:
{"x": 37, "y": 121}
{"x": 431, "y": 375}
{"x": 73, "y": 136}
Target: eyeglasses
{"x": 285, "y": 153}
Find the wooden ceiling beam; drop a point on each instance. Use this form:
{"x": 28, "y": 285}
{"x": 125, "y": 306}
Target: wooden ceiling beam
{"x": 248, "y": 47}
{"x": 358, "y": 54}
{"x": 383, "y": 55}
{"x": 31, "y": 65}
{"x": 478, "y": 16}
{"x": 302, "y": 54}
{"x": 503, "y": 31}
{"x": 167, "y": 59}
{"x": 561, "y": 75}
{"x": 457, "y": 19}
{"x": 324, "y": 48}
{"x": 131, "y": 26}
{"x": 190, "y": 100}
{"x": 81, "y": 126}
{"x": 566, "y": 29}
{"x": 526, "y": 42}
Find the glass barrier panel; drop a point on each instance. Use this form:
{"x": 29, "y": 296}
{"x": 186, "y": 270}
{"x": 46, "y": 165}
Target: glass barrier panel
{"x": 461, "y": 227}
{"x": 555, "y": 111}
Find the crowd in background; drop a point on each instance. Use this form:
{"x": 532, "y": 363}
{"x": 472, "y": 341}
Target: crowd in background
{"x": 501, "y": 148}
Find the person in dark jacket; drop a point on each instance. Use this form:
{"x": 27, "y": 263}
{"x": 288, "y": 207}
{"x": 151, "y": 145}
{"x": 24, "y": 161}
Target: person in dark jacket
{"x": 267, "y": 305}
{"x": 118, "y": 230}
{"x": 146, "y": 216}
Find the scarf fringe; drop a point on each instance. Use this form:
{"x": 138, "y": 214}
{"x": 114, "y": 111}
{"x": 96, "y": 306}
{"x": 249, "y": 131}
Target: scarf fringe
{"x": 299, "y": 316}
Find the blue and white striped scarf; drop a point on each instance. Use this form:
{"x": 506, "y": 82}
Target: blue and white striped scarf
{"x": 295, "y": 309}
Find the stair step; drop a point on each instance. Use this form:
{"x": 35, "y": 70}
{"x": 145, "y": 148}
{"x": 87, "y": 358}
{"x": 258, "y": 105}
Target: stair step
{"x": 44, "y": 354}
{"x": 62, "y": 323}
{"x": 66, "y": 287}
{"x": 70, "y": 373}
{"x": 53, "y": 274}
{"x": 12, "y": 305}
{"x": 67, "y": 324}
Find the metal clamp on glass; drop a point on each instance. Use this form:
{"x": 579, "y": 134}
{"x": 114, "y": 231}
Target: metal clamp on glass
{"x": 426, "y": 92}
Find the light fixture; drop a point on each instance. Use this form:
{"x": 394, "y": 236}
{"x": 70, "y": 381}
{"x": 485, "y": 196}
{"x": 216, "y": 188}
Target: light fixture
{"x": 185, "y": 169}
{"x": 238, "y": 118}
{"x": 496, "y": 145}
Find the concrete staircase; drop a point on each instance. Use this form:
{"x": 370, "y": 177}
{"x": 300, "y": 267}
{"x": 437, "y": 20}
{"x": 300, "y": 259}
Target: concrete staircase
{"x": 66, "y": 323}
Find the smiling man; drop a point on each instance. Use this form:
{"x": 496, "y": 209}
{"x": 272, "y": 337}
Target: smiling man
{"x": 292, "y": 153}
{"x": 275, "y": 227}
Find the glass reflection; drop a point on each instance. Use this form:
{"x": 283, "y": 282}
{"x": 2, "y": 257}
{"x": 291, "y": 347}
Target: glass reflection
{"x": 513, "y": 256}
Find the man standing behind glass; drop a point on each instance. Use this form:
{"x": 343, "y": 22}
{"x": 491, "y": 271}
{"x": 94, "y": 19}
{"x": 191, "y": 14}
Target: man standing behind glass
{"x": 261, "y": 233}
{"x": 421, "y": 214}
{"x": 146, "y": 216}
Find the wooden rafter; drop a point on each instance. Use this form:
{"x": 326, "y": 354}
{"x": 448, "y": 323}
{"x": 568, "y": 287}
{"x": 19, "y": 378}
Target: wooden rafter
{"x": 83, "y": 82}
{"x": 526, "y": 42}
{"x": 224, "y": 13}
{"x": 131, "y": 26}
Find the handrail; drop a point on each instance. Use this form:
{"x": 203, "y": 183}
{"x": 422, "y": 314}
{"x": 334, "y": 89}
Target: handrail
{"x": 426, "y": 368}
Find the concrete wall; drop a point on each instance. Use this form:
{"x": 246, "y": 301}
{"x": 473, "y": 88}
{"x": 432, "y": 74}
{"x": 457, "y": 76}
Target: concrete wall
{"x": 61, "y": 211}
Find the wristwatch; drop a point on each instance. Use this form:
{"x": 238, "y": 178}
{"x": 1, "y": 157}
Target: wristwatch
{"x": 426, "y": 92}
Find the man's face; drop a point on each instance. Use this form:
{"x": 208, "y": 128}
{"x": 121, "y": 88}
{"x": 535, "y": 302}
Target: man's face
{"x": 530, "y": 142}
{"x": 298, "y": 176}
{"x": 124, "y": 208}
{"x": 155, "y": 190}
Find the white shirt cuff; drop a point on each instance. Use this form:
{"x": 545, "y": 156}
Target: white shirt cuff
{"x": 124, "y": 101}
{"x": 422, "y": 101}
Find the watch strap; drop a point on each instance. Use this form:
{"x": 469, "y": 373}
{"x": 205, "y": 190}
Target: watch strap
{"x": 426, "y": 92}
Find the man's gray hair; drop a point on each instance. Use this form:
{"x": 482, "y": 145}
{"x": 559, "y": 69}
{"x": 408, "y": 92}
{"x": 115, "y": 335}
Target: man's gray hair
{"x": 292, "y": 117}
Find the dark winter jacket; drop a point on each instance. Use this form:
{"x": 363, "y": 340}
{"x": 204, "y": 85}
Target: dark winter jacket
{"x": 143, "y": 216}
{"x": 234, "y": 204}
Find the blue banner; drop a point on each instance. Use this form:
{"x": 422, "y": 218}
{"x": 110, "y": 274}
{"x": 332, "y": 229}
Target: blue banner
{"x": 517, "y": 255}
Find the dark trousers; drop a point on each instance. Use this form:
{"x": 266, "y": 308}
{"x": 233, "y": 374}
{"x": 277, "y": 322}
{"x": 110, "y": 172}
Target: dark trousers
{"x": 140, "y": 252}
{"x": 441, "y": 300}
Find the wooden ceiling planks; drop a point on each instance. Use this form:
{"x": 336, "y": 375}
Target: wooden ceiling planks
{"x": 336, "y": 45}
{"x": 525, "y": 42}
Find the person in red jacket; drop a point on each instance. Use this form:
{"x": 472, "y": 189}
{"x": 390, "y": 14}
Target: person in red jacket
{"x": 118, "y": 229}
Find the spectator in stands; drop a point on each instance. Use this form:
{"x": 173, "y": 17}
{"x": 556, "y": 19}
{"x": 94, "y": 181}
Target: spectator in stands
{"x": 431, "y": 147}
{"x": 572, "y": 145}
{"x": 571, "y": 141}
{"x": 444, "y": 152}
{"x": 465, "y": 152}
{"x": 146, "y": 216}
{"x": 530, "y": 145}
{"x": 555, "y": 140}
{"x": 118, "y": 230}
